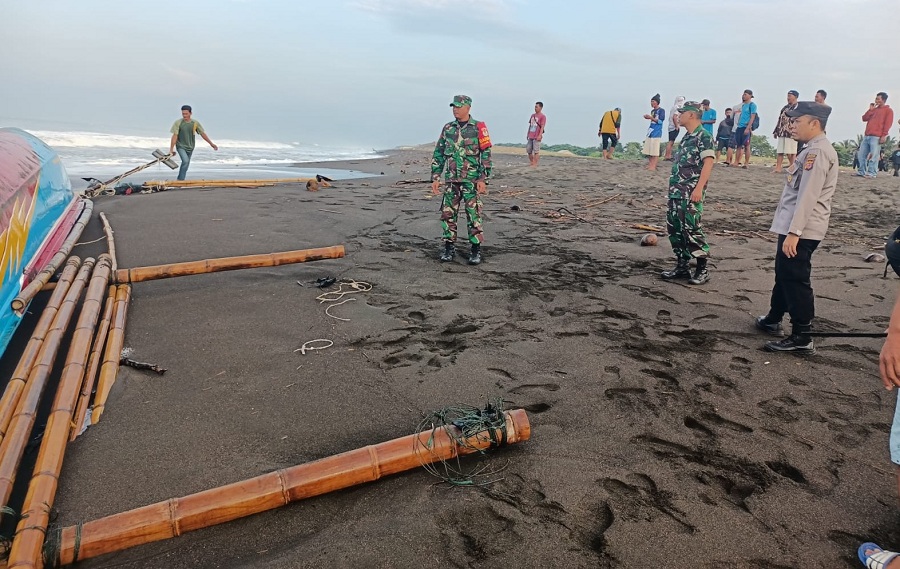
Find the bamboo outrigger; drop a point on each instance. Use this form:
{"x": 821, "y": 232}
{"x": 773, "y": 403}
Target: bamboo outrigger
{"x": 35, "y": 516}
{"x": 140, "y": 274}
{"x": 177, "y": 516}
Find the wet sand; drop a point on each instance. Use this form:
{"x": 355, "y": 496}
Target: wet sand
{"x": 662, "y": 436}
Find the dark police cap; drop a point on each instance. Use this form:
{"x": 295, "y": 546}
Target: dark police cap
{"x": 811, "y": 108}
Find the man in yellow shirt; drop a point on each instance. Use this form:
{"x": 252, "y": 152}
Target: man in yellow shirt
{"x": 610, "y": 131}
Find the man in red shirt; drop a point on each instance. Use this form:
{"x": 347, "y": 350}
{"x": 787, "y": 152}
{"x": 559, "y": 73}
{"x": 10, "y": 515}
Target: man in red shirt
{"x": 878, "y": 121}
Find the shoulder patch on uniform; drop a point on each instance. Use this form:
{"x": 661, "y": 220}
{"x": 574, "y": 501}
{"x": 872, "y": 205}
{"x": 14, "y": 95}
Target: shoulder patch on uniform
{"x": 810, "y": 160}
{"x": 484, "y": 138}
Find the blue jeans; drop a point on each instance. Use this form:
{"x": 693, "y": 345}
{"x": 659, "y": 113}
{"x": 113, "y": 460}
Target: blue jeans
{"x": 185, "y": 156}
{"x": 870, "y": 146}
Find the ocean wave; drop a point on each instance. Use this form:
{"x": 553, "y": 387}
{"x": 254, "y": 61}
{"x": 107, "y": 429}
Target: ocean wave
{"x": 57, "y": 139}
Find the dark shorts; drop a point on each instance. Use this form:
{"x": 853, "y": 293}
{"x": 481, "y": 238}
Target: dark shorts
{"x": 609, "y": 140}
{"x": 673, "y": 134}
{"x": 742, "y": 137}
{"x": 724, "y": 143}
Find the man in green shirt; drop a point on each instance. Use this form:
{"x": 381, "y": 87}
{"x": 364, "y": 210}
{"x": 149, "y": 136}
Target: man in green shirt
{"x": 183, "y": 132}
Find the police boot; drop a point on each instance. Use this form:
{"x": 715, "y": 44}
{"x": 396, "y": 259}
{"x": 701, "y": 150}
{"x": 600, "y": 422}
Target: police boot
{"x": 799, "y": 342}
{"x": 701, "y": 274}
{"x": 681, "y": 271}
{"x": 475, "y": 255}
{"x": 449, "y": 252}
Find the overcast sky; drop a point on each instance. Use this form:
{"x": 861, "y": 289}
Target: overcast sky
{"x": 381, "y": 73}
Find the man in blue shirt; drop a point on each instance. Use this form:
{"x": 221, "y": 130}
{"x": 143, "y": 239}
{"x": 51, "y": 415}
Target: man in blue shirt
{"x": 744, "y": 128}
{"x": 656, "y": 116}
{"x": 709, "y": 116}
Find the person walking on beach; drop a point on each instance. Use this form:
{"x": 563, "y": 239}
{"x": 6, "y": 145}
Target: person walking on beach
{"x": 800, "y": 221}
{"x": 744, "y": 130}
{"x": 464, "y": 146}
{"x": 535, "y": 133}
{"x": 709, "y": 116}
{"x": 673, "y": 126}
{"x": 609, "y": 131}
{"x": 183, "y": 140}
{"x": 878, "y": 119}
{"x": 656, "y": 116}
{"x": 787, "y": 146}
{"x": 687, "y": 189}
{"x": 723, "y": 136}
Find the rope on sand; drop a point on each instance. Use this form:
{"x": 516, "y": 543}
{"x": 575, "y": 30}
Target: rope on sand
{"x": 335, "y": 295}
{"x": 330, "y": 306}
{"x": 306, "y": 347}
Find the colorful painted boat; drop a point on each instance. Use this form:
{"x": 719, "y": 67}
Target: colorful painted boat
{"x": 37, "y": 212}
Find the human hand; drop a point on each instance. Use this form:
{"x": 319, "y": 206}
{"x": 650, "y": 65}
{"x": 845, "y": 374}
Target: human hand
{"x": 882, "y": 139}
{"x": 481, "y": 187}
{"x": 889, "y": 361}
{"x": 647, "y": 116}
{"x": 748, "y": 130}
{"x": 697, "y": 195}
{"x": 214, "y": 147}
{"x": 436, "y": 187}
{"x": 789, "y": 248}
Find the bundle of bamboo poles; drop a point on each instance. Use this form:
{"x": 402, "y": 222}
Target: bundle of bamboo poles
{"x": 177, "y": 516}
{"x": 29, "y": 539}
{"x": 167, "y": 184}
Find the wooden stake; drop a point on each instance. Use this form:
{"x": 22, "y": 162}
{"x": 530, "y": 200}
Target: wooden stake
{"x": 140, "y": 274}
{"x": 110, "y": 367}
{"x": 21, "y": 301}
{"x": 16, "y": 385}
{"x": 177, "y": 516}
{"x": 13, "y": 444}
{"x": 32, "y": 527}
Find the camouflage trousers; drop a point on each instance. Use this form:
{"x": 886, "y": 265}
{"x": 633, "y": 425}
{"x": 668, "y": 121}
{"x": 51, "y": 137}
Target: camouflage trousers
{"x": 457, "y": 193}
{"x": 683, "y": 225}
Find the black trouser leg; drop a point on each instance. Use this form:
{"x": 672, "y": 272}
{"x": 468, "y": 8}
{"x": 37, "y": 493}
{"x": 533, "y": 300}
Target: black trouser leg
{"x": 793, "y": 293}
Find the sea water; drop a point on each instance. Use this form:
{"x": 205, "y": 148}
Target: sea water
{"x": 104, "y": 156}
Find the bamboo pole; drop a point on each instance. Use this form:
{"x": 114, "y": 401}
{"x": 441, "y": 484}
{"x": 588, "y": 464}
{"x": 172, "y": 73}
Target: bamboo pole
{"x": 177, "y": 516}
{"x": 223, "y": 183}
{"x": 21, "y": 301}
{"x": 13, "y": 444}
{"x": 90, "y": 375}
{"x": 107, "y": 228}
{"x": 13, "y": 391}
{"x": 110, "y": 367}
{"x": 140, "y": 274}
{"x": 35, "y": 516}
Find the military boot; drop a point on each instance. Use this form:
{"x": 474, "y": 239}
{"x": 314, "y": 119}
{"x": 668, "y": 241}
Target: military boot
{"x": 475, "y": 255}
{"x": 449, "y": 252}
{"x": 681, "y": 271}
{"x": 701, "y": 273}
{"x": 799, "y": 342}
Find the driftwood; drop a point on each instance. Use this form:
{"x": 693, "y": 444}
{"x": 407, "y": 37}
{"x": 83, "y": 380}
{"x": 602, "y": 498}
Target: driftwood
{"x": 142, "y": 365}
{"x": 177, "y": 516}
{"x": 645, "y": 227}
{"x": 407, "y": 182}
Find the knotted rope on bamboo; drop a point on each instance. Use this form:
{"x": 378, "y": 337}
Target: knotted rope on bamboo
{"x": 174, "y": 517}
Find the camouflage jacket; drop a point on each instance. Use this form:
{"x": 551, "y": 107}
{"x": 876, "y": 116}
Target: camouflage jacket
{"x": 458, "y": 149}
{"x": 695, "y": 146}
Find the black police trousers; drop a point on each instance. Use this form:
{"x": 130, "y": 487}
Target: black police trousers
{"x": 793, "y": 293}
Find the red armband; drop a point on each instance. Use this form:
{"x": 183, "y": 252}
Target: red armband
{"x": 484, "y": 138}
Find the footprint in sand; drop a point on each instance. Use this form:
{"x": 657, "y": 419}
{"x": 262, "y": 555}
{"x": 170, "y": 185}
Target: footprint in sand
{"x": 664, "y": 316}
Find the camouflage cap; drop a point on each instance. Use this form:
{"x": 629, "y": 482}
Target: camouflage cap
{"x": 461, "y": 101}
{"x": 690, "y": 106}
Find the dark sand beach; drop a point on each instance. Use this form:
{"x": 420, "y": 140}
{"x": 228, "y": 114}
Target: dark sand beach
{"x": 662, "y": 436}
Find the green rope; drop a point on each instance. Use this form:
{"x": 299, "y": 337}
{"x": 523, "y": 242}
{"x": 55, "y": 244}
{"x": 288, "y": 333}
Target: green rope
{"x": 469, "y": 427}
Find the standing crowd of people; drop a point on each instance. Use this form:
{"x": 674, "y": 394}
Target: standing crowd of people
{"x": 462, "y": 157}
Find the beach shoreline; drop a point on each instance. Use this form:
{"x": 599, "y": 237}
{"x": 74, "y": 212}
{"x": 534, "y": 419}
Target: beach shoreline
{"x": 661, "y": 433}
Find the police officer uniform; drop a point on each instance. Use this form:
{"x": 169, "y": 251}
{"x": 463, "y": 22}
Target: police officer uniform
{"x": 803, "y": 210}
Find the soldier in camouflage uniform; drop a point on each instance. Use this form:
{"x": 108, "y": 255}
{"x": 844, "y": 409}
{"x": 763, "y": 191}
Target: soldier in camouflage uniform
{"x": 465, "y": 148}
{"x": 687, "y": 188}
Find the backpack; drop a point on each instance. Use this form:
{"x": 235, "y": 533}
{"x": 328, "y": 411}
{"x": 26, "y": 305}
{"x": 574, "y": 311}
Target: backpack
{"x": 755, "y": 124}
